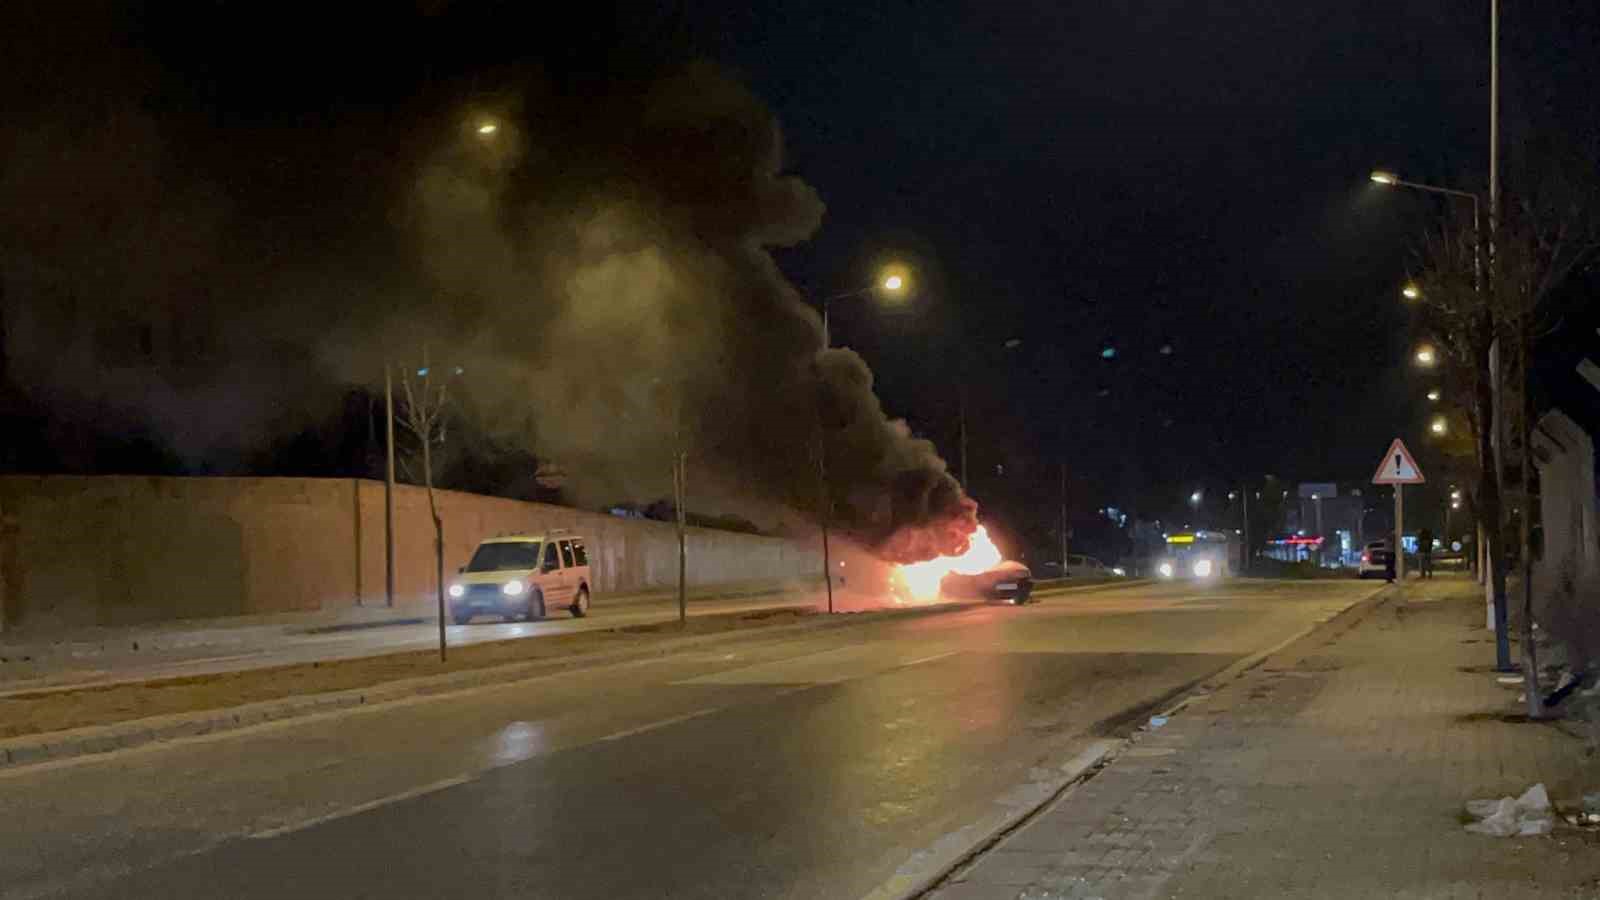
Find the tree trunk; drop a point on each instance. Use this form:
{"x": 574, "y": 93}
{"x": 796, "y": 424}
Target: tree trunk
{"x": 1530, "y": 649}
{"x": 438, "y": 536}
{"x": 680, "y": 475}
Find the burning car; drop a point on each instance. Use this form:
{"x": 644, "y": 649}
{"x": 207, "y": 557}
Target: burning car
{"x": 1008, "y": 582}
{"x": 980, "y": 573}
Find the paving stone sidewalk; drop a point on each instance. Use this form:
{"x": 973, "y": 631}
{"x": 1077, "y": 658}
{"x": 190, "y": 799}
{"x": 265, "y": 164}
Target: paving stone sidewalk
{"x": 1339, "y": 768}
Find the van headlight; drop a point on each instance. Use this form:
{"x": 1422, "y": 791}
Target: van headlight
{"x": 457, "y": 591}
{"x": 1165, "y": 569}
{"x": 513, "y": 588}
{"x": 1202, "y": 568}
{"x": 1119, "y": 571}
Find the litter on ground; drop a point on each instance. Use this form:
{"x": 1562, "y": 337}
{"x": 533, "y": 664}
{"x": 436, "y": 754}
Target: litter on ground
{"x": 1522, "y": 816}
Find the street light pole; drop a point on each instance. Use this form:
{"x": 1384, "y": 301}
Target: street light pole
{"x": 1245, "y": 493}
{"x": 892, "y": 283}
{"x": 1063, "y": 517}
{"x": 961, "y": 392}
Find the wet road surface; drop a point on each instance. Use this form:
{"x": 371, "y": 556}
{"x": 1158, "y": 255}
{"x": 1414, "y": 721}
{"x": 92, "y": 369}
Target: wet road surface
{"x": 812, "y": 765}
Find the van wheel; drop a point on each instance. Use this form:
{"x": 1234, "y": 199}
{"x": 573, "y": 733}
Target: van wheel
{"x": 580, "y": 606}
{"x": 535, "y": 608}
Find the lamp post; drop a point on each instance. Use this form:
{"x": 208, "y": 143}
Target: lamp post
{"x": 892, "y": 282}
{"x": 1411, "y": 291}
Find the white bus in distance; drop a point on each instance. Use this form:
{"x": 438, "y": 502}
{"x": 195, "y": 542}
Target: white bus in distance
{"x": 1197, "y": 555}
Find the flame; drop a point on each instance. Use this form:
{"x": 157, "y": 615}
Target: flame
{"x": 922, "y": 578}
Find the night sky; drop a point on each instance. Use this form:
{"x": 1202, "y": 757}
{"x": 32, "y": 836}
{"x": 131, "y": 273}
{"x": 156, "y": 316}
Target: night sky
{"x": 1183, "y": 183}
{"x": 1190, "y": 174}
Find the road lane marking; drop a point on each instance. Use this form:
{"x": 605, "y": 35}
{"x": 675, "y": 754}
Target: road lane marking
{"x": 360, "y": 808}
{"x": 920, "y": 660}
{"x": 630, "y": 732}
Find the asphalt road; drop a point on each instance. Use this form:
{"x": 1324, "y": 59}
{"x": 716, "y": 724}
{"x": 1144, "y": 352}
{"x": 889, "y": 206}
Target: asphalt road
{"x": 815, "y": 765}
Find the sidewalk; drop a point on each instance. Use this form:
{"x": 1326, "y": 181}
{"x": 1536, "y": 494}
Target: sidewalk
{"x": 1339, "y": 768}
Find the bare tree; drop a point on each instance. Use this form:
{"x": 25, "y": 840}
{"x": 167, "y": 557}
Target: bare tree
{"x": 427, "y": 398}
{"x": 1458, "y": 313}
{"x": 1550, "y": 229}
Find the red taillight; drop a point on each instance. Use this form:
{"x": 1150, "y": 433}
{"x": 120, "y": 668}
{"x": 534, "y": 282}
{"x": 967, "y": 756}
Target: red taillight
{"x": 1366, "y": 557}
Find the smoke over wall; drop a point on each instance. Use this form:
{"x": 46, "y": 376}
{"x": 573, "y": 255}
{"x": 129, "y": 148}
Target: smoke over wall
{"x": 608, "y": 256}
{"x": 596, "y": 261}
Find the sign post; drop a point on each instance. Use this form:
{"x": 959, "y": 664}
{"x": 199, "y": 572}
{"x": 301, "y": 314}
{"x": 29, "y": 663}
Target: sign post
{"x": 1397, "y": 468}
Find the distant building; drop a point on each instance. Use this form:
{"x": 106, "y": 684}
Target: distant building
{"x": 1330, "y": 522}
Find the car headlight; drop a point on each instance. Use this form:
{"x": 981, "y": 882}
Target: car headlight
{"x": 1119, "y": 571}
{"x": 1165, "y": 569}
{"x": 513, "y": 588}
{"x": 1202, "y": 568}
{"x": 457, "y": 590}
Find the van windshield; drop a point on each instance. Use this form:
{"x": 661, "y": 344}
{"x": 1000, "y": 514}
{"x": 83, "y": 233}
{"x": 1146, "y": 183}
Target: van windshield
{"x": 505, "y": 555}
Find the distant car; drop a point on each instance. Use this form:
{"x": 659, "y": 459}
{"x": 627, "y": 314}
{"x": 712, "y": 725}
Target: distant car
{"x": 1087, "y": 567}
{"x": 1375, "y": 559}
{"x": 1008, "y": 582}
{"x": 523, "y": 576}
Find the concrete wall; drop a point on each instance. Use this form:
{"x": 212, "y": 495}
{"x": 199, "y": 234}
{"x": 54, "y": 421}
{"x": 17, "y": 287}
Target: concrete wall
{"x": 109, "y": 550}
{"x": 1569, "y": 570}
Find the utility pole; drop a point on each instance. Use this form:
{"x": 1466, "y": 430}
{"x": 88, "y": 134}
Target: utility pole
{"x": 388, "y": 484}
{"x": 1063, "y": 518}
{"x": 966, "y": 485}
{"x": 1495, "y": 530}
{"x": 680, "y": 475}
{"x": 1245, "y": 492}
{"x": 827, "y": 513}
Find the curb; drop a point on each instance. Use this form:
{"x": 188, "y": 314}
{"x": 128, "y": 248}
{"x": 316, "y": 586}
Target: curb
{"x": 92, "y": 740}
{"x": 932, "y": 868}
{"x": 1360, "y": 609}
{"x": 1105, "y": 752}
{"x": 1055, "y": 590}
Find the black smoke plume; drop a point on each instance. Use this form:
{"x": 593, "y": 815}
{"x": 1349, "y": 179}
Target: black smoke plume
{"x": 593, "y": 253}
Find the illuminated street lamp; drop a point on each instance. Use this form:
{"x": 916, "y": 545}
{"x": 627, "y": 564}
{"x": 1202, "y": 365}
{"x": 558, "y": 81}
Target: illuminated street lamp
{"x": 1425, "y": 356}
{"x": 1390, "y": 179}
{"x": 1438, "y": 425}
{"x": 893, "y": 282}
{"x": 1194, "y": 499}
{"x": 488, "y": 127}
{"x": 1411, "y": 291}
{"x": 1434, "y": 395}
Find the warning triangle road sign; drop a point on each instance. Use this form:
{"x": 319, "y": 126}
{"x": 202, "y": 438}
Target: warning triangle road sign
{"x": 1398, "y": 467}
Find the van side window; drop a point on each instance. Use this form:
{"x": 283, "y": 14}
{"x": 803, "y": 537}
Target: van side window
{"x": 580, "y": 554}
{"x": 566, "y": 554}
{"x": 550, "y": 556}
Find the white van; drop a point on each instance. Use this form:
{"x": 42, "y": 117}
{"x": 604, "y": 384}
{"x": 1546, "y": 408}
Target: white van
{"x": 523, "y": 576}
